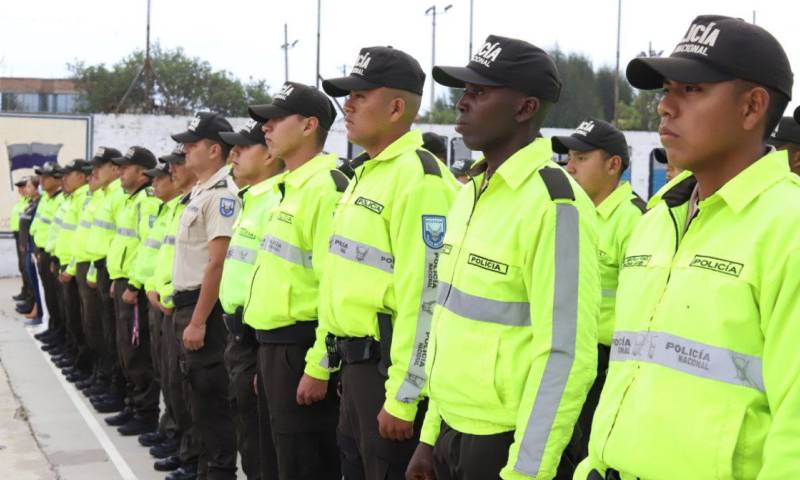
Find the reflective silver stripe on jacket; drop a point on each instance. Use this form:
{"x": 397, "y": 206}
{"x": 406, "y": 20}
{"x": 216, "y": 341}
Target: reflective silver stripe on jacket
{"x": 152, "y": 243}
{"x": 361, "y": 253}
{"x": 689, "y": 356}
{"x": 169, "y": 240}
{"x": 512, "y": 314}
{"x": 286, "y": 251}
{"x": 86, "y": 224}
{"x": 242, "y": 254}
{"x": 126, "y": 232}
{"x": 105, "y": 225}
{"x": 562, "y": 354}
{"x": 69, "y": 226}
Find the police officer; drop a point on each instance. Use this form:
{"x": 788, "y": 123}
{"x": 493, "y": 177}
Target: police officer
{"x": 787, "y": 137}
{"x": 282, "y": 306}
{"x": 436, "y": 144}
{"x": 255, "y": 172}
{"x": 703, "y": 380}
{"x": 200, "y": 249}
{"x": 31, "y": 190}
{"x": 379, "y": 281}
{"x": 25, "y": 295}
{"x": 134, "y": 219}
{"x": 598, "y": 156}
{"x": 513, "y": 340}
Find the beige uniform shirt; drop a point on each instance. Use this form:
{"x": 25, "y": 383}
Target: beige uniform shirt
{"x": 211, "y": 213}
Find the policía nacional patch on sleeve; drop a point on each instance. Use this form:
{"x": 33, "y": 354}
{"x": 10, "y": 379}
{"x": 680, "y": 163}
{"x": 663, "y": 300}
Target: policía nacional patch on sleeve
{"x": 433, "y": 230}
{"x": 227, "y": 207}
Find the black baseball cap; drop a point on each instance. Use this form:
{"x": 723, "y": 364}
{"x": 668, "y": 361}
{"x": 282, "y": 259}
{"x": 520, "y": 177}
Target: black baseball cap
{"x": 506, "y": 62}
{"x": 177, "y": 155}
{"x": 593, "y": 134}
{"x": 205, "y": 125}
{"x": 77, "y": 165}
{"x": 659, "y": 154}
{"x": 104, "y": 155}
{"x": 49, "y": 169}
{"x": 461, "y": 167}
{"x": 714, "y": 49}
{"x": 250, "y": 134}
{"x": 161, "y": 169}
{"x": 378, "y": 67}
{"x": 787, "y": 131}
{"x": 433, "y": 142}
{"x": 296, "y": 98}
{"x": 797, "y": 114}
{"x": 137, "y": 156}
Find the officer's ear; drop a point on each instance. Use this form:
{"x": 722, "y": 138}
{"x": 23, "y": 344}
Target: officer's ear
{"x": 527, "y": 107}
{"x": 754, "y": 106}
{"x": 397, "y": 109}
{"x": 614, "y": 165}
{"x": 310, "y": 126}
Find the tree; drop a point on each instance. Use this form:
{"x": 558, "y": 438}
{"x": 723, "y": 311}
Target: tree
{"x": 641, "y": 113}
{"x": 604, "y": 88}
{"x": 579, "y": 97}
{"x": 444, "y": 108}
{"x": 184, "y": 84}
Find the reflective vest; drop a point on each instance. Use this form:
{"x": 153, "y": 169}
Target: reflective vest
{"x": 70, "y": 215}
{"x": 60, "y": 204}
{"x": 40, "y": 227}
{"x": 387, "y": 232}
{"x": 257, "y": 203}
{"x": 147, "y": 253}
{"x": 513, "y": 345}
{"x": 104, "y": 225}
{"x": 703, "y": 379}
{"x": 137, "y": 214}
{"x": 616, "y": 217}
{"x": 292, "y": 253}
{"x": 16, "y": 211}
{"x": 80, "y": 253}
{"x": 161, "y": 281}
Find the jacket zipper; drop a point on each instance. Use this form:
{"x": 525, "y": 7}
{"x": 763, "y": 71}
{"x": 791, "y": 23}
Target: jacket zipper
{"x": 250, "y": 293}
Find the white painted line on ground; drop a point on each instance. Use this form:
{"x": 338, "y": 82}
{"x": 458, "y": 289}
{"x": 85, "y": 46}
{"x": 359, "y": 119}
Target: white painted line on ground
{"x": 113, "y": 454}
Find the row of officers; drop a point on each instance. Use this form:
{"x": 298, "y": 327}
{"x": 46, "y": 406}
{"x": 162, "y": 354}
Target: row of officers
{"x": 372, "y": 319}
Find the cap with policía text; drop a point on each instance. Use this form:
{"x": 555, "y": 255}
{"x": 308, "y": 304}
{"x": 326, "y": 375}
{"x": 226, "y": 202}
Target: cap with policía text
{"x": 506, "y": 62}
{"x": 137, "y": 156}
{"x": 378, "y": 67}
{"x": 77, "y": 165}
{"x": 205, "y": 125}
{"x": 161, "y": 169}
{"x": 177, "y": 155}
{"x": 250, "y": 134}
{"x": 49, "y": 169}
{"x": 594, "y": 134}
{"x": 716, "y": 49}
{"x": 787, "y": 131}
{"x": 296, "y": 98}
{"x": 104, "y": 155}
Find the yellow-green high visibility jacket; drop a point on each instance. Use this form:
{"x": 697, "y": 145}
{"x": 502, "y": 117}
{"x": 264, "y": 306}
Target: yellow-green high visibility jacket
{"x": 60, "y": 204}
{"x": 40, "y": 227}
{"x": 236, "y": 284}
{"x": 147, "y": 253}
{"x": 616, "y": 217}
{"x": 386, "y": 237}
{"x": 104, "y": 225}
{"x": 285, "y": 281}
{"x": 80, "y": 254}
{"x": 137, "y": 215}
{"x": 16, "y": 211}
{"x": 704, "y": 378}
{"x": 161, "y": 280}
{"x": 514, "y": 338}
{"x": 71, "y": 210}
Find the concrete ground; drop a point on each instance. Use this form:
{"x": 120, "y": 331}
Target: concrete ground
{"x": 48, "y": 429}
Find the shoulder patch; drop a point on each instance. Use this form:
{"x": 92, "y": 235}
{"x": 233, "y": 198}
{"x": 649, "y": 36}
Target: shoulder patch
{"x": 340, "y": 180}
{"x": 227, "y": 207}
{"x": 221, "y": 184}
{"x": 639, "y": 203}
{"x": 557, "y": 183}
{"x": 433, "y": 229}
{"x": 343, "y": 165}
{"x": 430, "y": 165}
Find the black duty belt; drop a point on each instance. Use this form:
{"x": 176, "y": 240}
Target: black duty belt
{"x": 301, "y": 333}
{"x": 611, "y": 474}
{"x": 353, "y": 350}
{"x": 186, "y": 298}
{"x": 240, "y": 332}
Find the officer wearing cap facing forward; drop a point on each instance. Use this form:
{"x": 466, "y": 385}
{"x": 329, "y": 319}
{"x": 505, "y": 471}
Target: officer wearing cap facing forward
{"x": 378, "y": 284}
{"x": 704, "y": 378}
{"x": 787, "y": 137}
{"x": 513, "y": 345}
{"x": 200, "y": 248}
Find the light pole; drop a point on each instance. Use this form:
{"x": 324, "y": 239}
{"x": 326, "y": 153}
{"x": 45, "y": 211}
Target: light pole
{"x": 286, "y": 46}
{"x": 432, "y": 11}
{"x": 471, "y": 9}
{"x": 616, "y": 70}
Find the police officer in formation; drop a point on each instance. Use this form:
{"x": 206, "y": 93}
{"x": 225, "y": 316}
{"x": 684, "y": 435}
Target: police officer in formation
{"x": 376, "y": 320}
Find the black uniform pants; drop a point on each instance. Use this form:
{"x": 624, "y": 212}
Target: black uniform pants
{"x": 175, "y": 396}
{"x": 304, "y": 436}
{"x": 76, "y": 339}
{"x": 90, "y": 319}
{"x": 27, "y": 285}
{"x": 268, "y": 461}
{"x": 133, "y": 347}
{"x": 166, "y": 424}
{"x": 204, "y": 370}
{"x": 460, "y": 456}
{"x": 109, "y": 361}
{"x": 365, "y": 454}
{"x": 52, "y": 292}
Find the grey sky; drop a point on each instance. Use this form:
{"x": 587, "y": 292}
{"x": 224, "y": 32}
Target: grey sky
{"x": 39, "y": 37}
